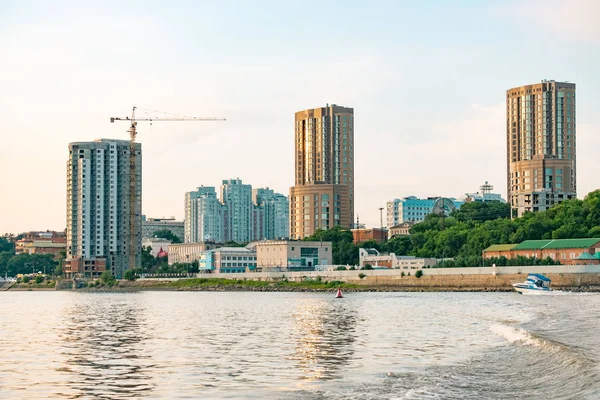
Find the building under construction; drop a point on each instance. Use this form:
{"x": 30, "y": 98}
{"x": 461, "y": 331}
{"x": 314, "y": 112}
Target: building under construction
{"x": 99, "y": 214}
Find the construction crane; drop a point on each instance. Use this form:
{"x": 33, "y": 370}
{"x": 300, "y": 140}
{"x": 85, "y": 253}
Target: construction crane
{"x": 132, "y": 167}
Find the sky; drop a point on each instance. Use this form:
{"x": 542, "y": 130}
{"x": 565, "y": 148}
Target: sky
{"x": 427, "y": 81}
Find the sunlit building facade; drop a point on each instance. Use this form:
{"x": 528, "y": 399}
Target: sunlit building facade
{"x": 541, "y": 148}
{"x": 323, "y": 195}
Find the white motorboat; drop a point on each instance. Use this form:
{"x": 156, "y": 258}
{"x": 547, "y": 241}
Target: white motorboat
{"x": 534, "y": 284}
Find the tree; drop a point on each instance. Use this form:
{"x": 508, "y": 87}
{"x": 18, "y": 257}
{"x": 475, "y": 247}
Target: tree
{"x": 482, "y": 211}
{"x": 130, "y": 275}
{"x": 107, "y": 278}
{"x": 29, "y": 263}
{"x": 58, "y": 270}
{"x": 6, "y": 245}
{"x": 344, "y": 250}
{"x": 148, "y": 260}
{"x": 167, "y": 234}
{"x": 231, "y": 243}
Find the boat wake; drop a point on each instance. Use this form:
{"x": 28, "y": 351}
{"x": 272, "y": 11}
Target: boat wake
{"x": 514, "y": 335}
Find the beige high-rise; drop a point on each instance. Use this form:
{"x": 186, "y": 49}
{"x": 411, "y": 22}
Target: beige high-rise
{"x": 540, "y": 124}
{"x": 323, "y": 195}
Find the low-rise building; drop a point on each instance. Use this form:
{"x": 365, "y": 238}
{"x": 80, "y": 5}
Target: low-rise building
{"x": 183, "y": 253}
{"x": 228, "y": 260}
{"x": 42, "y": 243}
{"x": 402, "y": 229}
{"x": 292, "y": 255}
{"x": 157, "y": 245}
{"x": 84, "y": 267}
{"x": 365, "y": 234}
{"x": 152, "y": 225}
{"x": 413, "y": 209}
{"x": 381, "y": 260}
{"x": 565, "y": 251}
{"x": 484, "y": 195}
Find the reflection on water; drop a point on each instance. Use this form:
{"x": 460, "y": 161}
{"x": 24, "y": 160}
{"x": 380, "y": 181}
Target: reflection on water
{"x": 296, "y": 345}
{"x": 325, "y": 337}
{"x": 103, "y": 348}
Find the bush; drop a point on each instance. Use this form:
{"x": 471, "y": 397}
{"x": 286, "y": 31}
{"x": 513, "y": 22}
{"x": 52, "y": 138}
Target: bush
{"x": 361, "y": 275}
{"x": 107, "y": 277}
{"x": 402, "y": 273}
{"x": 418, "y": 274}
{"x": 130, "y": 275}
{"x": 340, "y": 268}
{"x": 25, "y": 279}
{"x": 39, "y": 279}
{"x": 368, "y": 267}
{"x": 352, "y": 268}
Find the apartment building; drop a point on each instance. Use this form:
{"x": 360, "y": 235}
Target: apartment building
{"x": 98, "y": 207}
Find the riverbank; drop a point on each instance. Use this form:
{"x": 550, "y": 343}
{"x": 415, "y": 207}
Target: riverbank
{"x": 587, "y": 282}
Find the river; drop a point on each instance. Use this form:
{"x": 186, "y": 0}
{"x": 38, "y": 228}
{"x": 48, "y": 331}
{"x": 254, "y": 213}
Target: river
{"x": 170, "y": 345}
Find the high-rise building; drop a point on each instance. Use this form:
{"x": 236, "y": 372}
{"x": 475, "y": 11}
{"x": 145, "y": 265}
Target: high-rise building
{"x": 275, "y": 213}
{"x": 238, "y": 217}
{"x": 540, "y": 141}
{"x": 204, "y": 216}
{"x": 323, "y": 195}
{"x": 98, "y": 209}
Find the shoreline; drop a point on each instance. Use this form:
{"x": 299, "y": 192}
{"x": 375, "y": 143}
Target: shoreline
{"x": 196, "y": 285}
{"x": 324, "y": 282}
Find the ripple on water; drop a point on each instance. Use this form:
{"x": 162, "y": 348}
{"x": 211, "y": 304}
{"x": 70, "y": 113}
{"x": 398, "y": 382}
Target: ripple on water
{"x": 297, "y": 345}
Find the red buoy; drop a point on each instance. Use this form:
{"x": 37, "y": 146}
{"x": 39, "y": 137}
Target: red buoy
{"x": 339, "y": 294}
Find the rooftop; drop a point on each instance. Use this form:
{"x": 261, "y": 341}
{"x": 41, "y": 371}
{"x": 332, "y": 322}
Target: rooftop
{"x": 500, "y": 247}
{"x": 556, "y": 244}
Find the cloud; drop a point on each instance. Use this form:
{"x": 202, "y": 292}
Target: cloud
{"x": 460, "y": 155}
{"x": 577, "y": 19}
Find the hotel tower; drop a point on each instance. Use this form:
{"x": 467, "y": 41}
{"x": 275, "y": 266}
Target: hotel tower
{"x": 540, "y": 141}
{"x": 323, "y": 195}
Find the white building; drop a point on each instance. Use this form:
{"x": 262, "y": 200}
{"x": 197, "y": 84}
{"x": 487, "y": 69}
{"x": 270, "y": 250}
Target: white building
{"x": 413, "y": 209}
{"x": 276, "y": 211}
{"x": 392, "y": 261}
{"x": 238, "y": 217}
{"x": 484, "y": 195}
{"x": 98, "y": 210}
{"x": 204, "y": 216}
{"x": 185, "y": 253}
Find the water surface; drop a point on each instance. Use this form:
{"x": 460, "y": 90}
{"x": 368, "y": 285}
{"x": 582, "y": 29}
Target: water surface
{"x": 298, "y": 345}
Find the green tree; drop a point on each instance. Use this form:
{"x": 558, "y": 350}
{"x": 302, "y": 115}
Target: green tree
{"x": 58, "y": 270}
{"x": 344, "y": 250}
{"x": 130, "y": 275}
{"x": 482, "y": 211}
{"x": 148, "y": 260}
{"x": 167, "y": 234}
{"x": 107, "y": 278}
{"x": 231, "y": 243}
{"x": 6, "y": 245}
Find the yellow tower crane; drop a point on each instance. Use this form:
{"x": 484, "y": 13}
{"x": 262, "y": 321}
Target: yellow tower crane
{"x": 133, "y": 212}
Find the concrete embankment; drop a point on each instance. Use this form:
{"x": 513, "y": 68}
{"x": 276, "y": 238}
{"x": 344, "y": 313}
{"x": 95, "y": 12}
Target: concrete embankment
{"x": 579, "y": 278}
{"x": 389, "y": 281}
